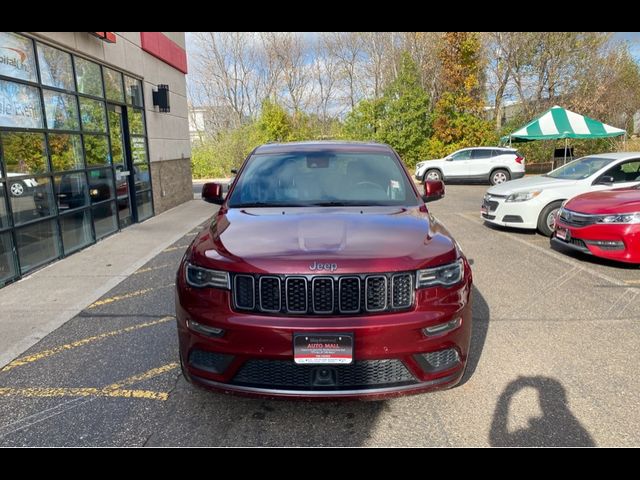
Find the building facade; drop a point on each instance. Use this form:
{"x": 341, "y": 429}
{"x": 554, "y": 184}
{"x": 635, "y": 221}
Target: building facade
{"x": 94, "y": 136}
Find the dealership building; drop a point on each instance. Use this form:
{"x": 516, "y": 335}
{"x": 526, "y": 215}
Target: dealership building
{"x": 94, "y": 137}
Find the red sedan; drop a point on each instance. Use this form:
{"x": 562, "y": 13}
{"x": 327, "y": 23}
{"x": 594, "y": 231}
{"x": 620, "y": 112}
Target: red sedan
{"x": 605, "y": 224}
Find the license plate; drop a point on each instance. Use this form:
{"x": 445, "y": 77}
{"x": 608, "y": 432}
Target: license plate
{"x": 563, "y": 234}
{"x": 322, "y": 348}
{"x": 484, "y": 210}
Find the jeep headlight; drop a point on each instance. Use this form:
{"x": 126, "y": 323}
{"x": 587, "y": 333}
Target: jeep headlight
{"x": 523, "y": 196}
{"x": 445, "y": 275}
{"x": 203, "y": 277}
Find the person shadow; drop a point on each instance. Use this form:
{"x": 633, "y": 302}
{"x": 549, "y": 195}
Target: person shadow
{"x": 557, "y": 426}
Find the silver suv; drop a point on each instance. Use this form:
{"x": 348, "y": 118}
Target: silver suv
{"x": 485, "y": 164}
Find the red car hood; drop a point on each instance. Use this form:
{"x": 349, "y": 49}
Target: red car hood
{"x": 621, "y": 200}
{"x": 291, "y": 240}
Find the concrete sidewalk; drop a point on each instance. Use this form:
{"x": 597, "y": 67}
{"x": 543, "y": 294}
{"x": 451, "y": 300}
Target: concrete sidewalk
{"x": 40, "y": 303}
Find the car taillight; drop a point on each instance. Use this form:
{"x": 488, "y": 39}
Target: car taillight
{"x": 519, "y": 159}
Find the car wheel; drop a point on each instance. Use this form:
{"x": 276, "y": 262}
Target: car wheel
{"x": 547, "y": 218}
{"x": 499, "y": 176}
{"x": 17, "y": 189}
{"x": 432, "y": 175}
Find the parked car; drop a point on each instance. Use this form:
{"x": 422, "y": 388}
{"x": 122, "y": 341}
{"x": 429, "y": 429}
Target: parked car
{"x": 19, "y": 187}
{"x": 323, "y": 274}
{"x": 533, "y": 202}
{"x": 605, "y": 224}
{"x": 495, "y": 165}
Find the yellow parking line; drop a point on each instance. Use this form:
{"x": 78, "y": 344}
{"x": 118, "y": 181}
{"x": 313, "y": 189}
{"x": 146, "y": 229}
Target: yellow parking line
{"x": 81, "y": 392}
{"x": 150, "y": 269}
{"x": 79, "y": 343}
{"x": 113, "y": 390}
{"x": 125, "y": 296}
{"x": 171, "y": 249}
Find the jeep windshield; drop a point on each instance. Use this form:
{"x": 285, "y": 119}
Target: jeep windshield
{"x": 322, "y": 178}
{"x": 580, "y": 169}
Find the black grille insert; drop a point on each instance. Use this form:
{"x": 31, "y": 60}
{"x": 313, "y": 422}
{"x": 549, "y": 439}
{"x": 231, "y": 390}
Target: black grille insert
{"x": 324, "y": 294}
{"x": 282, "y": 374}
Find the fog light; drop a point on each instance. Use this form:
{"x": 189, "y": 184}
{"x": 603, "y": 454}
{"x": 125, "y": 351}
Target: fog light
{"x": 438, "y": 361}
{"x": 607, "y": 244}
{"x": 441, "y": 328}
{"x": 205, "y": 329}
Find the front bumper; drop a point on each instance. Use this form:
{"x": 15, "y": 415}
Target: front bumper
{"x": 589, "y": 239}
{"x": 255, "y": 355}
{"x": 510, "y": 214}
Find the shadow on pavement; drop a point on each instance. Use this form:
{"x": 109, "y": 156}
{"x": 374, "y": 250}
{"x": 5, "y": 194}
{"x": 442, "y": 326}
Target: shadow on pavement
{"x": 557, "y": 427}
{"x": 479, "y": 329}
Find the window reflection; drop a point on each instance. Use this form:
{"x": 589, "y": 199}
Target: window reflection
{"x": 4, "y": 214}
{"x": 24, "y": 153}
{"x": 136, "y": 122}
{"x": 88, "y": 77}
{"x": 61, "y": 110}
{"x": 7, "y": 265}
{"x": 145, "y": 207}
{"x": 142, "y": 177}
{"x": 113, "y": 85}
{"x": 96, "y": 149}
{"x": 55, "y": 67}
{"x": 139, "y": 149}
{"x": 66, "y": 151}
{"x": 101, "y": 185}
{"x": 133, "y": 88}
{"x": 104, "y": 219}
{"x": 36, "y": 202}
{"x": 93, "y": 115}
{"x": 37, "y": 244}
{"x": 71, "y": 191}
{"x": 76, "y": 230}
{"x": 19, "y": 106}
{"x": 115, "y": 132}
{"x": 17, "y": 57}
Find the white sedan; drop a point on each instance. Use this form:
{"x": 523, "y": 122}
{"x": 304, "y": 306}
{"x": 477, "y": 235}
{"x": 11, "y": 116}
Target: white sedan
{"x": 532, "y": 202}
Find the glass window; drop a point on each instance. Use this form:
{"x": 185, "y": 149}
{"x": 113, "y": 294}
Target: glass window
{"x": 145, "y": 207}
{"x": 71, "y": 191}
{"x": 37, "y": 244}
{"x": 481, "y": 154}
{"x": 35, "y": 200}
{"x": 101, "y": 185}
{"x": 115, "y": 133}
{"x": 61, "y": 111}
{"x": 16, "y": 57}
{"x": 133, "y": 89}
{"x": 105, "y": 220}
{"x": 96, "y": 148}
{"x": 464, "y": 155}
{"x": 24, "y": 153}
{"x": 136, "y": 122}
{"x": 142, "y": 177}
{"x": 88, "y": 77}
{"x": 113, "y": 85}
{"x": 4, "y": 213}
{"x": 580, "y": 169}
{"x": 55, "y": 67}
{"x": 7, "y": 264}
{"x": 76, "y": 230}
{"x": 93, "y": 115}
{"x": 66, "y": 151}
{"x": 624, "y": 172}
{"x": 138, "y": 150}
{"x": 19, "y": 106}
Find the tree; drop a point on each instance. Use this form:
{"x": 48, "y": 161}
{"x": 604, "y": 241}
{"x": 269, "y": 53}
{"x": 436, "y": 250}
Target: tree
{"x": 459, "y": 113}
{"x": 274, "y": 124}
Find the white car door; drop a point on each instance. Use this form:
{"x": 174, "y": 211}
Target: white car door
{"x": 624, "y": 174}
{"x": 480, "y": 163}
{"x": 457, "y": 164}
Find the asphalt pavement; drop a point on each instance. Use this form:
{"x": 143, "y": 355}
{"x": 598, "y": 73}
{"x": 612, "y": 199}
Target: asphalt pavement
{"x": 553, "y": 363}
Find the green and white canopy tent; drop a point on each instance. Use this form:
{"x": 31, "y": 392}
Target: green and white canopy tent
{"x": 558, "y": 123}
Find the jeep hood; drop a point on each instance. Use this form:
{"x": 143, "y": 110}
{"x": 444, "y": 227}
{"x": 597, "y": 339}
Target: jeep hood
{"x": 289, "y": 240}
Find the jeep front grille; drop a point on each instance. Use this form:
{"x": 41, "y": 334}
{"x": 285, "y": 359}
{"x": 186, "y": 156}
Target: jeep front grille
{"x": 323, "y": 294}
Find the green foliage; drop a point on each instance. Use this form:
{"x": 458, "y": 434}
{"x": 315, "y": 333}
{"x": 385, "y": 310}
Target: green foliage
{"x": 362, "y": 123}
{"x": 274, "y": 123}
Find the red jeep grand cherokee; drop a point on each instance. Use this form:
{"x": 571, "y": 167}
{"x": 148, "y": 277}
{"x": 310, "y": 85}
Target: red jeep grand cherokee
{"x": 324, "y": 275}
{"x": 605, "y": 224}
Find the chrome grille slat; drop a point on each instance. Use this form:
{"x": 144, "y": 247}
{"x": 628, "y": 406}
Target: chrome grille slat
{"x": 352, "y": 294}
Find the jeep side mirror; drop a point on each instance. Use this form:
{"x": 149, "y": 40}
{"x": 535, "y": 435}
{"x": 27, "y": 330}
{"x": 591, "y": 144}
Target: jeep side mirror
{"x": 604, "y": 180}
{"x": 433, "y": 190}
{"x": 212, "y": 193}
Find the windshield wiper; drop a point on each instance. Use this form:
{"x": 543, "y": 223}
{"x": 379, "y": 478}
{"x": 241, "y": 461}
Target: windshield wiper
{"x": 267, "y": 205}
{"x": 346, "y": 204}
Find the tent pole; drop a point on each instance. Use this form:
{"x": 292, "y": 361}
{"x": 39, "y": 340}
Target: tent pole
{"x": 566, "y": 141}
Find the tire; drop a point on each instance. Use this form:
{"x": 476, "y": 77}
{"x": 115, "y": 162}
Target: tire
{"x": 499, "y": 176}
{"x": 17, "y": 189}
{"x": 546, "y": 217}
{"x": 432, "y": 174}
